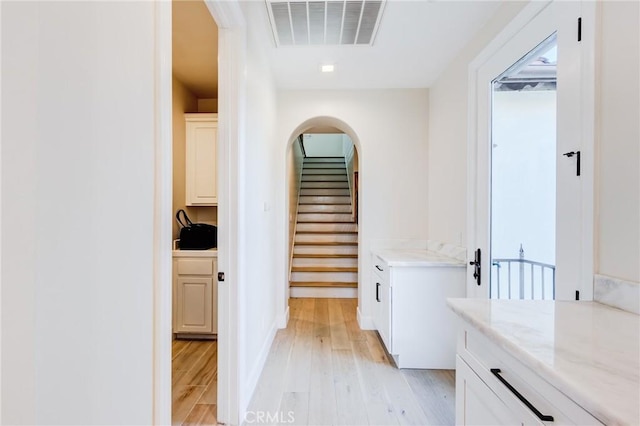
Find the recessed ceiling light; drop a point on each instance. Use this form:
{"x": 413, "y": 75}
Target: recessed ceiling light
{"x": 328, "y": 68}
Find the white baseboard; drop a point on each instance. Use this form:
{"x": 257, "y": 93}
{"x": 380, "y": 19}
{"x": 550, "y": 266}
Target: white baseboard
{"x": 256, "y": 371}
{"x": 365, "y": 323}
{"x": 324, "y": 292}
{"x": 283, "y": 319}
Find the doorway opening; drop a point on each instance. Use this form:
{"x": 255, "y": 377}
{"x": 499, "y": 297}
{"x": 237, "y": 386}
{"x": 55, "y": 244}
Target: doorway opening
{"x": 523, "y": 177}
{"x": 323, "y": 230}
{"x": 323, "y": 162}
{"x": 194, "y": 347}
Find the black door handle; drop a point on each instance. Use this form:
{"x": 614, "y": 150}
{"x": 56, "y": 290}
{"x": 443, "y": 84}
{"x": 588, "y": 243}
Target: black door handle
{"x": 577, "y": 154}
{"x": 377, "y": 292}
{"x": 477, "y": 262}
{"x": 379, "y": 268}
{"x": 543, "y": 417}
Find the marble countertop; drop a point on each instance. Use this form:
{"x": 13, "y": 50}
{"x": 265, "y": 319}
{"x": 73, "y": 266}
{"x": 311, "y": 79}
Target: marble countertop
{"x": 588, "y": 351}
{"x": 408, "y": 257}
{"x": 213, "y": 252}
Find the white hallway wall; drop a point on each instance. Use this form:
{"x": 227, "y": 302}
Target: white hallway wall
{"x": 617, "y": 139}
{"x": 448, "y": 136}
{"x": 260, "y": 220}
{"x": 392, "y": 129}
{"x": 324, "y": 145}
{"x": 77, "y": 266}
{"x": 618, "y": 142}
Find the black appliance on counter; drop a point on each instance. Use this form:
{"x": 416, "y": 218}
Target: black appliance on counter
{"x": 196, "y": 236}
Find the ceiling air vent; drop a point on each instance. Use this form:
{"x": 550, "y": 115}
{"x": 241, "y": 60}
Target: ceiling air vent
{"x": 331, "y": 22}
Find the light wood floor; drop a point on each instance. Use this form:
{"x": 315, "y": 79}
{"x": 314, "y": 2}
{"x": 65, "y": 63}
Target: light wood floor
{"x": 194, "y": 382}
{"x": 323, "y": 370}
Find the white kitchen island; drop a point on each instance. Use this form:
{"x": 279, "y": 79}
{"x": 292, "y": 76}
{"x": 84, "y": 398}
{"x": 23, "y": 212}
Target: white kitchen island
{"x": 575, "y": 362}
{"x": 410, "y": 311}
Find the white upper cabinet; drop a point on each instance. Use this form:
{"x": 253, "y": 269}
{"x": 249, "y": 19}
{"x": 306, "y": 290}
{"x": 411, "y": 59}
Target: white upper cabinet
{"x": 201, "y": 159}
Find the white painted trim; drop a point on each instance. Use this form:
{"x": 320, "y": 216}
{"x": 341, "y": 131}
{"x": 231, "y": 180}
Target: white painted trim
{"x": 230, "y": 135}
{"x": 510, "y": 30}
{"x": 324, "y": 292}
{"x": 1, "y": 381}
{"x": 283, "y": 319}
{"x": 231, "y": 114}
{"x": 588, "y": 150}
{"x": 365, "y": 323}
{"x": 256, "y": 371}
{"x": 162, "y": 217}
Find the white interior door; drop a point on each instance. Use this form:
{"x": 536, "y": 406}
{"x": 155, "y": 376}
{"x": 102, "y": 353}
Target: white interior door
{"x": 495, "y": 200}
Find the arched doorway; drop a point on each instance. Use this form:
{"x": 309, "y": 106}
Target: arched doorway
{"x": 323, "y": 185}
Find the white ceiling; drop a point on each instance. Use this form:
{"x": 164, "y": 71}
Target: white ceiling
{"x": 416, "y": 41}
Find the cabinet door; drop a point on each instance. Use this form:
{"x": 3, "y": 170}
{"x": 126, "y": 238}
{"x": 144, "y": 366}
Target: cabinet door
{"x": 194, "y": 303}
{"x": 214, "y": 299}
{"x": 383, "y": 325}
{"x": 476, "y": 403}
{"x": 201, "y": 154}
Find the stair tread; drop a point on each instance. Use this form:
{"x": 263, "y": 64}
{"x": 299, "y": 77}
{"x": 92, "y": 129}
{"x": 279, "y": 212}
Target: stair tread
{"x": 326, "y": 243}
{"x": 321, "y": 284}
{"x": 325, "y": 204}
{"x": 333, "y": 222}
{"x": 325, "y": 256}
{"x": 324, "y": 269}
{"x": 327, "y": 232}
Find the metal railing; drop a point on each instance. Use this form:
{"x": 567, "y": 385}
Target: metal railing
{"x": 535, "y": 280}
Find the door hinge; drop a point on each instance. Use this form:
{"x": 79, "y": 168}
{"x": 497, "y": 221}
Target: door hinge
{"x": 221, "y": 276}
{"x": 577, "y": 295}
{"x": 579, "y": 29}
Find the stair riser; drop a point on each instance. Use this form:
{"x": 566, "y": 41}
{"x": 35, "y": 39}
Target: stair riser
{"x": 310, "y": 238}
{"x": 333, "y": 192}
{"x": 324, "y": 292}
{"x": 324, "y": 199}
{"x": 347, "y": 227}
{"x": 325, "y": 160}
{"x": 336, "y": 165}
{"x": 343, "y": 208}
{"x": 318, "y": 171}
{"x": 332, "y": 178}
{"x": 340, "y": 277}
{"x": 323, "y": 217}
{"x": 330, "y": 261}
{"x": 302, "y": 249}
{"x": 326, "y": 185}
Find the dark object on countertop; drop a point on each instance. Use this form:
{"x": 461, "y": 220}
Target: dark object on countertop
{"x": 196, "y": 236}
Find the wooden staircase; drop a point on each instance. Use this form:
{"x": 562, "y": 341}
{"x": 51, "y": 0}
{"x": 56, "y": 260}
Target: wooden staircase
{"x": 325, "y": 252}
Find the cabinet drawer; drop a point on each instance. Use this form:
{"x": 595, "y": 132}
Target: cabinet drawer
{"x": 380, "y": 268}
{"x": 195, "y": 267}
{"x": 483, "y": 356}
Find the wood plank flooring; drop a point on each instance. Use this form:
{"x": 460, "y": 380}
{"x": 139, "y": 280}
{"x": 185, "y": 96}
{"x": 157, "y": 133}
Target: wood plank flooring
{"x": 194, "y": 382}
{"x": 323, "y": 370}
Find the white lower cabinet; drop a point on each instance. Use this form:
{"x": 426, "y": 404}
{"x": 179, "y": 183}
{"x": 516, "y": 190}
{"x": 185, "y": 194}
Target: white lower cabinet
{"x": 195, "y": 296}
{"x": 494, "y": 388}
{"x": 411, "y": 314}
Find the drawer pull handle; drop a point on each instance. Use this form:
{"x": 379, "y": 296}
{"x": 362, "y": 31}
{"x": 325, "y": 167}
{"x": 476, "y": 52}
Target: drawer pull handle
{"x": 379, "y": 268}
{"x": 543, "y": 417}
{"x": 377, "y": 292}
